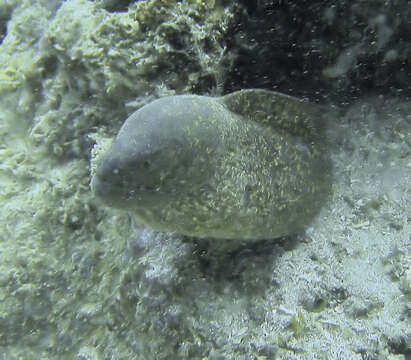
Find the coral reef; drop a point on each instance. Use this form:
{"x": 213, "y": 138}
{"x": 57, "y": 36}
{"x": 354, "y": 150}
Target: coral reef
{"x": 79, "y": 280}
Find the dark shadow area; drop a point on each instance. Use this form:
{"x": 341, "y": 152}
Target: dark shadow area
{"x": 5, "y": 16}
{"x": 247, "y": 267}
{"x": 117, "y": 5}
{"x": 321, "y": 50}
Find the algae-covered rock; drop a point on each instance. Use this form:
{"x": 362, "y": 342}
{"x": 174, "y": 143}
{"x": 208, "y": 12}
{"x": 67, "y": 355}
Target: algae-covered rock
{"x": 69, "y": 69}
{"x": 249, "y": 165}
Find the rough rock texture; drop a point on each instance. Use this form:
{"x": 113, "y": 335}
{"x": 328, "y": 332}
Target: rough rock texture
{"x": 68, "y": 70}
{"x": 78, "y": 280}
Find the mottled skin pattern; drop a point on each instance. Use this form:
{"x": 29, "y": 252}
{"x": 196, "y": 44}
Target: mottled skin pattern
{"x": 250, "y": 165}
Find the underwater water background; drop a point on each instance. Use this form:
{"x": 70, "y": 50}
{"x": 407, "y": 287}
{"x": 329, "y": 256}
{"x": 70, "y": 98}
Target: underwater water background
{"x": 81, "y": 280}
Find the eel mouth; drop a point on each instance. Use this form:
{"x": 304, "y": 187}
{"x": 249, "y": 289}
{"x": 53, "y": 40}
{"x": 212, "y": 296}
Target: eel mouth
{"x": 126, "y": 195}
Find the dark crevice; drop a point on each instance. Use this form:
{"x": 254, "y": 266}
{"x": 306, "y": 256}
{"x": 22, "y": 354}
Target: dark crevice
{"x": 5, "y": 16}
{"x": 400, "y": 347}
{"x": 117, "y": 5}
{"x": 3, "y": 30}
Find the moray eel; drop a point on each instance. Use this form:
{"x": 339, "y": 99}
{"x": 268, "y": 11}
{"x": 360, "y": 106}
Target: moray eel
{"x": 249, "y": 165}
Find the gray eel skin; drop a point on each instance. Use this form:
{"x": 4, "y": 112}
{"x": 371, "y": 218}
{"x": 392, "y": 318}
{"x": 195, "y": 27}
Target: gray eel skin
{"x": 249, "y": 165}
